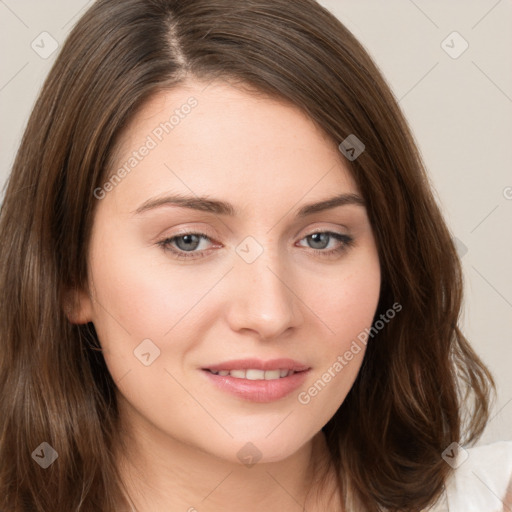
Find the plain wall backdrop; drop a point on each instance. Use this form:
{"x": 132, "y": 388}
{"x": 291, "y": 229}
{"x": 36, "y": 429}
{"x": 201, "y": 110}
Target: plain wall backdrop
{"x": 450, "y": 66}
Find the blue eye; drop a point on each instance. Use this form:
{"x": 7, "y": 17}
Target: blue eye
{"x": 190, "y": 242}
{"x": 320, "y": 237}
{"x": 185, "y": 245}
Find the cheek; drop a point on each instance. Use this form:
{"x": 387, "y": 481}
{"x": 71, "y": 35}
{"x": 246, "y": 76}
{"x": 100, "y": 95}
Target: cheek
{"x": 144, "y": 296}
{"x": 141, "y": 295}
{"x": 347, "y": 305}
{"x": 347, "y": 301}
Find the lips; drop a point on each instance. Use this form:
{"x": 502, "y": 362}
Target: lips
{"x": 256, "y": 380}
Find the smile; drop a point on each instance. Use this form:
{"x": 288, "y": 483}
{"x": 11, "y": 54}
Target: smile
{"x": 253, "y": 374}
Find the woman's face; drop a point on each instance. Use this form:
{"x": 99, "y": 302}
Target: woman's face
{"x": 252, "y": 281}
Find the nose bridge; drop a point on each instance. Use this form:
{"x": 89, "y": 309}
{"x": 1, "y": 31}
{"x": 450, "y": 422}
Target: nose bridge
{"x": 262, "y": 297}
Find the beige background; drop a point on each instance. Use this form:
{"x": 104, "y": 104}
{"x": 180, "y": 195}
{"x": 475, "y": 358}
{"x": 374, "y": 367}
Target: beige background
{"x": 460, "y": 110}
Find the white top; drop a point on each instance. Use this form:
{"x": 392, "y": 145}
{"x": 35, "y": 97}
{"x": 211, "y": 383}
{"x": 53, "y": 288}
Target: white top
{"x": 482, "y": 480}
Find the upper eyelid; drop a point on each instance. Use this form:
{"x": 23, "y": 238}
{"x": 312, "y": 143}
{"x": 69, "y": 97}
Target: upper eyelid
{"x": 205, "y": 231}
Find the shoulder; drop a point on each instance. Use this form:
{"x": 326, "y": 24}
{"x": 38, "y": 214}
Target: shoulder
{"x": 482, "y": 480}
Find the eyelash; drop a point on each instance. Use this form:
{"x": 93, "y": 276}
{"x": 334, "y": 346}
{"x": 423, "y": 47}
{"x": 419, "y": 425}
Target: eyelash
{"x": 347, "y": 241}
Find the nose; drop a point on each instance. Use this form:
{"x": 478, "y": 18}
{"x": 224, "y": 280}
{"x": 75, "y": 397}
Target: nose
{"x": 262, "y": 297}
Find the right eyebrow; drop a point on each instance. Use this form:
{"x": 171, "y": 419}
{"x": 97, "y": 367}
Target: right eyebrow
{"x": 203, "y": 204}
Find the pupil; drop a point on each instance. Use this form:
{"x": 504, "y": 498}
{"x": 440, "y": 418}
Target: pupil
{"x": 188, "y": 239}
{"x": 317, "y": 239}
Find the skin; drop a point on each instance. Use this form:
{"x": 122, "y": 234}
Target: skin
{"x": 507, "y": 500}
{"x": 182, "y": 434}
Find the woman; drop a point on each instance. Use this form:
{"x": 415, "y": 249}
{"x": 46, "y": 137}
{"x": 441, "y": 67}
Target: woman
{"x": 225, "y": 281}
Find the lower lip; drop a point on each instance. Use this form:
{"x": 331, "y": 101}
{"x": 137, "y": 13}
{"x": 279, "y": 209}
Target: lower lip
{"x": 258, "y": 390}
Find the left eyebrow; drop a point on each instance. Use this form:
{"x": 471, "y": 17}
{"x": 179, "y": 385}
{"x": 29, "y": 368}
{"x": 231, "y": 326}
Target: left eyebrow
{"x": 327, "y": 204}
{"x": 219, "y": 207}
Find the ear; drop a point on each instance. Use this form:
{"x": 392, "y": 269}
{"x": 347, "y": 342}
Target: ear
{"x": 77, "y": 306}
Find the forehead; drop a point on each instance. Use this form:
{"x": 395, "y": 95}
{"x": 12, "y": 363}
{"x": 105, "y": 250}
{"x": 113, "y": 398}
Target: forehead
{"x": 218, "y": 138}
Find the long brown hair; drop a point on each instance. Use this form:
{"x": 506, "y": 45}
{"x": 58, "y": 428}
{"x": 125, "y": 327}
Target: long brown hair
{"x": 421, "y": 386}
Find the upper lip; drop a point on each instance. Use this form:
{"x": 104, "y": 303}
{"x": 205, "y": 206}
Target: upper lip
{"x": 259, "y": 364}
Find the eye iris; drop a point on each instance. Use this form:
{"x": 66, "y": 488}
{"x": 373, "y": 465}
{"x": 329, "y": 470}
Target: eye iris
{"x": 317, "y": 237}
{"x": 195, "y": 239}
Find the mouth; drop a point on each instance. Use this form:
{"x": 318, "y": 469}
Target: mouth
{"x": 257, "y": 369}
{"x": 256, "y": 380}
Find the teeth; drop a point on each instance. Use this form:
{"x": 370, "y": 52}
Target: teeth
{"x": 239, "y": 374}
{"x": 253, "y": 374}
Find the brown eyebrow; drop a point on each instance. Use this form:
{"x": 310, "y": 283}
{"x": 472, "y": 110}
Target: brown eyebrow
{"x": 218, "y": 207}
